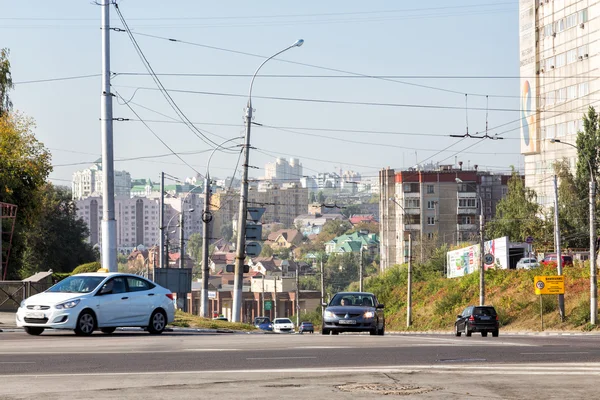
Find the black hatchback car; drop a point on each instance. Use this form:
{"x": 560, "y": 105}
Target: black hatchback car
{"x": 482, "y": 319}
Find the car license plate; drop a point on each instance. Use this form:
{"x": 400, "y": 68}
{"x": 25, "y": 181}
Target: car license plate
{"x": 485, "y": 318}
{"x": 347, "y": 322}
{"x": 36, "y": 315}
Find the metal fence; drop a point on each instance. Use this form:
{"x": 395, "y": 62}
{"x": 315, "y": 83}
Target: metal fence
{"x": 13, "y": 292}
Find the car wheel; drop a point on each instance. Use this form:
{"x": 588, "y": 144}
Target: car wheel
{"x": 467, "y": 331}
{"x": 108, "y": 331}
{"x": 495, "y": 333}
{"x": 86, "y": 323}
{"x": 381, "y": 331}
{"x": 34, "y": 330}
{"x": 374, "y": 331}
{"x": 324, "y": 331}
{"x": 456, "y": 330}
{"x": 158, "y": 322}
{"x": 335, "y": 333}
{"x": 483, "y": 334}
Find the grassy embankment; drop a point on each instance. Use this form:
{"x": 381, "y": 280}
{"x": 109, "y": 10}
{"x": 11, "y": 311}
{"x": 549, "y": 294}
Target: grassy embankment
{"x": 437, "y": 300}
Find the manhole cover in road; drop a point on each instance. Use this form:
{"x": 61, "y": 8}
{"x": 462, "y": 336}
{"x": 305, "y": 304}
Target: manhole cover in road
{"x": 384, "y": 389}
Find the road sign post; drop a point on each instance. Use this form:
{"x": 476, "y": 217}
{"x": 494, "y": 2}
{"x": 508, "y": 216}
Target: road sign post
{"x": 548, "y": 285}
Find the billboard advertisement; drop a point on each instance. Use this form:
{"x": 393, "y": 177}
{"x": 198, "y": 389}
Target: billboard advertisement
{"x": 530, "y": 140}
{"x": 467, "y": 260}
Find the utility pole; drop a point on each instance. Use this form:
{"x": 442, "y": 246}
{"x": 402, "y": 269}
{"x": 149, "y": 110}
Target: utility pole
{"x": 561, "y": 297}
{"x": 262, "y": 297}
{"x": 481, "y": 256}
{"x": 322, "y": 287}
{"x": 360, "y": 270}
{"x": 593, "y": 270}
{"x": 182, "y": 295}
{"x": 109, "y": 224}
{"x": 161, "y": 222}
{"x": 206, "y": 219}
{"x": 275, "y": 297}
{"x": 409, "y": 284}
{"x": 297, "y": 292}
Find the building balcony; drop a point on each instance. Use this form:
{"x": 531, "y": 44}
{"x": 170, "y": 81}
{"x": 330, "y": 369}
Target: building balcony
{"x": 467, "y": 227}
{"x": 412, "y": 227}
{"x": 412, "y": 195}
{"x": 467, "y": 195}
{"x": 412, "y": 211}
{"x": 467, "y": 211}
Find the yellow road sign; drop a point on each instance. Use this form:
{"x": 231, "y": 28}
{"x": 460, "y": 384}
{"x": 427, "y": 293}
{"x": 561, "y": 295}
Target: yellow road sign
{"x": 549, "y": 284}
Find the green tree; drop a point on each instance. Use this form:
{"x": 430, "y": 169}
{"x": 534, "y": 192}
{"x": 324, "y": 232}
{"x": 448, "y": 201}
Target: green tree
{"x": 310, "y": 282}
{"x": 194, "y": 247}
{"x": 5, "y": 82}
{"x": 227, "y": 231}
{"x": 350, "y": 210}
{"x": 312, "y": 198}
{"x": 57, "y": 238}
{"x": 588, "y": 151}
{"x": 517, "y": 214}
{"x": 267, "y": 251}
{"x": 572, "y": 208}
{"x": 320, "y": 197}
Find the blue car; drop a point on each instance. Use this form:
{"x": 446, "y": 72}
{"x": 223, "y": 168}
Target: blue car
{"x": 263, "y": 323}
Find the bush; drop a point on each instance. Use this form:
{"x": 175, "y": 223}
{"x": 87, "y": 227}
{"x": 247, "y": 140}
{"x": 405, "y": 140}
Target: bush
{"x": 89, "y": 267}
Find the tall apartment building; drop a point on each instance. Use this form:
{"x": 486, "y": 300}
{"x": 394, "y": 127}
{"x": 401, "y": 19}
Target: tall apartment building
{"x": 558, "y": 60}
{"x": 88, "y": 182}
{"x": 282, "y": 171}
{"x": 441, "y": 204}
{"x": 137, "y": 219}
{"x": 283, "y": 203}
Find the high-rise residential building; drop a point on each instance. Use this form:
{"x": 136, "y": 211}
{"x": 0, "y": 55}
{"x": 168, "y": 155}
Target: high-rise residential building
{"x": 282, "y": 170}
{"x": 88, "y": 182}
{"x": 433, "y": 206}
{"x": 137, "y": 219}
{"x": 558, "y": 60}
{"x": 283, "y": 202}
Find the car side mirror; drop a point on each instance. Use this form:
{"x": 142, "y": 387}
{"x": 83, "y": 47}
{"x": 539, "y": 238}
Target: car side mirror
{"x": 105, "y": 290}
{"x": 380, "y": 306}
{"x": 324, "y": 304}
{"x": 459, "y": 316}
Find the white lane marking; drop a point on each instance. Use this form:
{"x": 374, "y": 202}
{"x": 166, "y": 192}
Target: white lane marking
{"x": 322, "y": 347}
{"x": 277, "y": 358}
{"x": 17, "y": 362}
{"x": 557, "y": 352}
{"x": 183, "y": 350}
{"x": 507, "y": 369}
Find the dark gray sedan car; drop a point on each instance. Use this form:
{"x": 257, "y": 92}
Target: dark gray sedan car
{"x": 353, "y": 312}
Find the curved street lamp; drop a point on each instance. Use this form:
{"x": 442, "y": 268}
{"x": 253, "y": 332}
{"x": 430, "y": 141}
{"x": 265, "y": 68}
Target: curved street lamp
{"x": 593, "y": 277}
{"x": 241, "y": 239}
{"x": 206, "y": 219}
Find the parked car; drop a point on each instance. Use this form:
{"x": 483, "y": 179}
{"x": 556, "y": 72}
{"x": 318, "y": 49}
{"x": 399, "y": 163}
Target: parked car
{"x": 263, "y": 323}
{"x": 353, "y": 312}
{"x": 482, "y": 319}
{"x": 105, "y": 301}
{"x": 550, "y": 259}
{"x": 220, "y": 318}
{"x": 283, "y": 325}
{"x": 527, "y": 263}
{"x": 306, "y": 327}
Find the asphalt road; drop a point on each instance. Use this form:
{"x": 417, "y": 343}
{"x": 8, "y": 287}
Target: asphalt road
{"x": 187, "y": 364}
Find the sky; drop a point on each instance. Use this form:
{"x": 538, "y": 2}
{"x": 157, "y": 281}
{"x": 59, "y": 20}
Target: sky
{"x": 376, "y": 84}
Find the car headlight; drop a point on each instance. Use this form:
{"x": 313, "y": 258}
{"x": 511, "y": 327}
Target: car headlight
{"x": 67, "y": 304}
{"x": 369, "y": 314}
{"x": 329, "y": 314}
{"x": 22, "y": 305}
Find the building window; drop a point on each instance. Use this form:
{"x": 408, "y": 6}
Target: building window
{"x": 412, "y": 203}
{"x": 430, "y": 220}
{"x": 430, "y": 189}
{"x": 429, "y": 235}
{"x": 407, "y": 187}
{"x": 431, "y": 205}
{"x": 466, "y": 220}
{"x": 466, "y": 203}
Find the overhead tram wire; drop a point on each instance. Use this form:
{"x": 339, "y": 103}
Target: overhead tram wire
{"x": 162, "y": 89}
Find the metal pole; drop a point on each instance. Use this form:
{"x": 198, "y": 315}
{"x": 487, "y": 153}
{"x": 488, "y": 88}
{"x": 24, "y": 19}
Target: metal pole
{"x": 109, "y": 224}
{"x": 561, "y": 297}
{"x": 322, "y": 288}
{"x": 481, "y": 260}
{"x": 161, "y": 221}
{"x": 243, "y": 209}
{"x": 593, "y": 270}
{"x": 409, "y": 284}
{"x": 360, "y": 270}
{"x": 206, "y": 219}
{"x": 297, "y": 294}
{"x": 262, "y": 297}
{"x": 182, "y": 295}
{"x": 275, "y": 297}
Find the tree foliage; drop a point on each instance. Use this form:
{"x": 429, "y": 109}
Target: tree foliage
{"x": 517, "y": 214}
{"x": 572, "y": 209}
{"x": 588, "y": 150}
{"x": 56, "y": 238}
{"x": 5, "y": 82}
{"x": 194, "y": 247}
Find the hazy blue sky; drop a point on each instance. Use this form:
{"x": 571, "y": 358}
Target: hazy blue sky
{"x": 437, "y": 41}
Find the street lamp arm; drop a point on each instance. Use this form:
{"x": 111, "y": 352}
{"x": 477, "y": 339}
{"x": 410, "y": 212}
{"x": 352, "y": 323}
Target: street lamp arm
{"x": 298, "y": 43}
{"x": 576, "y": 148}
{"x": 217, "y": 148}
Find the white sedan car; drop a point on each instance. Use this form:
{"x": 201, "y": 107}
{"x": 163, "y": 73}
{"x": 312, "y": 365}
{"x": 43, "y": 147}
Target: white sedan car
{"x": 283, "y": 325}
{"x": 105, "y": 301}
{"x": 527, "y": 263}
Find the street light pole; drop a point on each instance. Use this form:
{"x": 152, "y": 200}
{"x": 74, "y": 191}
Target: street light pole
{"x": 593, "y": 276}
{"x": 206, "y": 219}
{"x": 243, "y": 209}
{"x": 409, "y": 272}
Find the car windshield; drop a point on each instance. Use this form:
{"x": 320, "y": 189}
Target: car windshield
{"x": 353, "y": 299}
{"x": 283, "y": 321}
{"x": 263, "y": 320}
{"x": 77, "y": 284}
{"x": 484, "y": 311}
